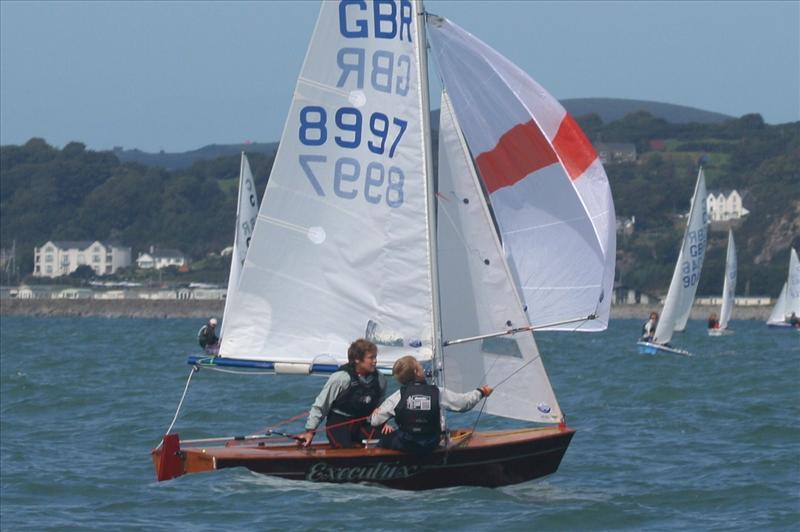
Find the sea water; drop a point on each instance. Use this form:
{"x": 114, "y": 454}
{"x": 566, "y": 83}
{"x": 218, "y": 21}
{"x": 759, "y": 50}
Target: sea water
{"x": 663, "y": 442}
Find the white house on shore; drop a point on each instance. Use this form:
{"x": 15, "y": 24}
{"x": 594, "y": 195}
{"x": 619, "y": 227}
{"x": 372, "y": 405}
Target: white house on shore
{"x": 725, "y": 205}
{"x": 161, "y": 258}
{"x": 62, "y": 257}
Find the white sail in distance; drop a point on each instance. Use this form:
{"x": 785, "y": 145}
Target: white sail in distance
{"x": 546, "y": 185}
{"x": 729, "y": 286}
{"x": 479, "y": 296}
{"x": 246, "y": 212}
{"x": 686, "y": 276}
{"x": 341, "y": 248}
{"x": 789, "y": 298}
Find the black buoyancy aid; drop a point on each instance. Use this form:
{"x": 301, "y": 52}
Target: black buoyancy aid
{"x": 417, "y": 412}
{"x": 360, "y": 398}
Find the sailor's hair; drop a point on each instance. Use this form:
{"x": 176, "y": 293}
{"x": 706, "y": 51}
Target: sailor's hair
{"x": 405, "y": 369}
{"x": 359, "y": 349}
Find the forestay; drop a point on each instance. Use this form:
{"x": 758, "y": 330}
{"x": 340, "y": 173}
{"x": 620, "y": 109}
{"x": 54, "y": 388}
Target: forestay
{"x": 478, "y": 293}
{"x": 341, "y": 246}
{"x": 246, "y": 212}
{"x": 729, "y": 286}
{"x": 546, "y": 185}
{"x": 683, "y": 286}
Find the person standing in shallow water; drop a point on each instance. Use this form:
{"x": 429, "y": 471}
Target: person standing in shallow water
{"x": 417, "y": 409}
{"x": 352, "y": 392}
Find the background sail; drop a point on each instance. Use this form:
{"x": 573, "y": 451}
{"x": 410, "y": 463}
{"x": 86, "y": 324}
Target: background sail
{"x": 246, "y": 212}
{"x": 793, "y": 285}
{"x": 341, "y": 247}
{"x": 547, "y": 187}
{"x": 479, "y": 296}
{"x": 729, "y": 286}
{"x": 683, "y": 286}
{"x": 778, "y": 311}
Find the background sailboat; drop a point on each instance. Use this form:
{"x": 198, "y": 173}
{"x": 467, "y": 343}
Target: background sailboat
{"x": 789, "y": 298}
{"x": 682, "y": 288}
{"x": 246, "y": 213}
{"x": 728, "y": 289}
{"x": 347, "y": 244}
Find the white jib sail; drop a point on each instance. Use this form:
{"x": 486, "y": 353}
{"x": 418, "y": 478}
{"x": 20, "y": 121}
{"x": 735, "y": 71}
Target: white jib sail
{"x": 478, "y": 295}
{"x": 793, "y": 286}
{"x": 789, "y": 300}
{"x": 546, "y": 185}
{"x": 246, "y": 212}
{"x": 729, "y": 286}
{"x": 778, "y": 313}
{"x": 681, "y": 292}
{"x": 341, "y": 246}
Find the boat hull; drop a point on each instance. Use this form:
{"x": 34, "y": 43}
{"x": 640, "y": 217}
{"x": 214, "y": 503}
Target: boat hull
{"x": 485, "y": 459}
{"x": 649, "y": 348}
{"x": 719, "y": 332}
{"x": 783, "y": 326}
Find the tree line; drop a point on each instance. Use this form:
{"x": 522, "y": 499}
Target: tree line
{"x": 73, "y": 193}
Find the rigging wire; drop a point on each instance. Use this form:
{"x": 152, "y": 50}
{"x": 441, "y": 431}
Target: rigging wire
{"x": 486, "y": 399}
{"x": 195, "y": 369}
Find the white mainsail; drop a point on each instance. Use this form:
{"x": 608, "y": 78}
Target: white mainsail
{"x": 478, "y": 293}
{"x": 777, "y": 316}
{"x": 789, "y": 299}
{"x": 246, "y": 212}
{"x": 686, "y": 276}
{"x": 547, "y": 187}
{"x": 729, "y": 286}
{"x": 341, "y": 247}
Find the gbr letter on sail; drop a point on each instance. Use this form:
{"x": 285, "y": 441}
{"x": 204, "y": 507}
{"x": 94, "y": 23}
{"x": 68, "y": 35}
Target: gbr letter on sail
{"x": 341, "y": 247}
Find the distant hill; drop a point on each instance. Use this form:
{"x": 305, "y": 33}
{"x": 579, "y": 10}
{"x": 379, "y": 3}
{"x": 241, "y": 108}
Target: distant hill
{"x": 177, "y": 161}
{"x": 609, "y": 110}
{"x": 613, "y": 109}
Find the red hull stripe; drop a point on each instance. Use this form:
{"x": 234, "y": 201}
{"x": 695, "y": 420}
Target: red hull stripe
{"x": 522, "y": 150}
{"x": 574, "y": 149}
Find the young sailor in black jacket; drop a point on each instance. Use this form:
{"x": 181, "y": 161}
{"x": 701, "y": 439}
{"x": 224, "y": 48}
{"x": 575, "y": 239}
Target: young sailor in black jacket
{"x": 351, "y": 393}
{"x": 416, "y": 407}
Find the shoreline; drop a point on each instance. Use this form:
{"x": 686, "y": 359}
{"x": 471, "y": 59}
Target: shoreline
{"x": 150, "y": 308}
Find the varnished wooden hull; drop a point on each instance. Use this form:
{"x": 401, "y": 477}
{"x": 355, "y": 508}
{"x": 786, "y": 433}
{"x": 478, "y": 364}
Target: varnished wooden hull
{"x": 485, "y": 459}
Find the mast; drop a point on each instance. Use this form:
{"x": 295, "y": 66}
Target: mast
{"x": 422, "y": 61}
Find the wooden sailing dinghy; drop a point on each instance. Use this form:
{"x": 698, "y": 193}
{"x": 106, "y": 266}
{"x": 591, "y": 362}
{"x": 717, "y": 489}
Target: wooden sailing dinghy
{"x": 353, "y": 240}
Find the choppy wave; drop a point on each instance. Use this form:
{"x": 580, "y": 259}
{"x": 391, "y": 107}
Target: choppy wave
{"x": 711, "y": 441}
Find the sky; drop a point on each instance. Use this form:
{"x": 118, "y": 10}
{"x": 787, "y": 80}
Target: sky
{"x": 179, "y": 75}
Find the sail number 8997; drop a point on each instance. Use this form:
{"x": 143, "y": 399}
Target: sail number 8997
{"x": 379, "y": 183}
{"x": 313, "y": 130}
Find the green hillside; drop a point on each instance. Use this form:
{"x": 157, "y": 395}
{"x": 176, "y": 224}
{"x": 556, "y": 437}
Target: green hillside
{"x": 75, "y": 194}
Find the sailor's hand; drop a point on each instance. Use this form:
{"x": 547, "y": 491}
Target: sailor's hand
{"x": 486, "y": 390}
{"x": 305, "y": 438}
{"x": 387, "y": 429}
